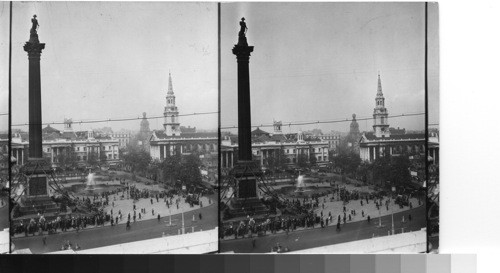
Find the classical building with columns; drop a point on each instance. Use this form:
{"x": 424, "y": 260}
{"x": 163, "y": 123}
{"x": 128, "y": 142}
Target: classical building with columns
{"x": 265, "y": 145}
{"x": 56, "y": 143}
{"x": 433, "y": 146}
{"x": 177, "y": 140}
{"x": 4, "y": 159}
{"x": 388, "y": 141}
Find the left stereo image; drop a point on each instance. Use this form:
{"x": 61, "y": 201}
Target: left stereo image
{"x": 114, "y": 128}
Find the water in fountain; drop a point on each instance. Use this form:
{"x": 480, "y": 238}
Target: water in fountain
{"x": 300, "y": 184}
{"x": 90, "y": 181}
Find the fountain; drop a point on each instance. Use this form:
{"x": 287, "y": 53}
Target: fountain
{"x": 90, "y": 182}
{"x": 94, "y": 185}
{"x": 301, "y": 185}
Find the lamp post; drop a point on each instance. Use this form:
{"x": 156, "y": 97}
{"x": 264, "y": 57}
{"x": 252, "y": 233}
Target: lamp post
{"x": 379, "y": 219}
{"x": 183, "y": 229}
{"x": 392, "y": 210}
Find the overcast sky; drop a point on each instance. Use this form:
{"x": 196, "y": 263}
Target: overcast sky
{"x": 319, "y": 61}
{"x": 111, "y": 60}
{"x": 4, "y": 64}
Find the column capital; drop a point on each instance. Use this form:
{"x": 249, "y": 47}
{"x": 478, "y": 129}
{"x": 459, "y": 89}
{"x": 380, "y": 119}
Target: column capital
{"x": 242, "y": 52}
{"x": 34, "y": 49}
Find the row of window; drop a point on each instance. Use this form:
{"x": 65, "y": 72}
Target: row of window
{"x": 188, "y": 148}
{"x": 399, "y": 148}
{"x": 84, "y": 158}
{"x": 84, "y": 149}
{"x": 329, "y": 137}
{"x": 121, "y": 136}
{"x": 292, "y": 151}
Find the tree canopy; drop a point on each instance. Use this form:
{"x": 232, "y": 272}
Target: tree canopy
{"x": 394, "y": 169}
{"x": 137, "y": 159}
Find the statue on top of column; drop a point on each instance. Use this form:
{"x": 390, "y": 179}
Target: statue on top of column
{"x": 35, "y": 25}
{"x": 243, "y": 28}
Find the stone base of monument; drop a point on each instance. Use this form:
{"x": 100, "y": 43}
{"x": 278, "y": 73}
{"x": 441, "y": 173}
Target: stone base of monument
{"x": 37, "y": 204}
{"x": 239, "y": 207}
{"x": 36, "y": 200}
{"x": 246, "y": 200}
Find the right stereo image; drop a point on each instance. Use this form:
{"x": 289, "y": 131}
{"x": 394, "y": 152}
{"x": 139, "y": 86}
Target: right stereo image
{"x": 329, "y": 128}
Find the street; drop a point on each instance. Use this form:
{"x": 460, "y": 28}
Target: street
{"x": 328, "y": 236}
{"x": 104, "y": 236}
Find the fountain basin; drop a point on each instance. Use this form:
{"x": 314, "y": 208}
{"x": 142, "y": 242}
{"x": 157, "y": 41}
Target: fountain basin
{"x": 293, "y": 191}
{"x": 84, "y": 189}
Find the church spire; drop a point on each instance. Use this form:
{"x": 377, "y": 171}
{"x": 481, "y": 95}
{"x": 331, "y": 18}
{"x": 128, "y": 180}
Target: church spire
{"x": 170, "y": 88}
{"x": 171, "y": 113}
{"x": 380, "y": 114}
{"x": 379, "y": 87}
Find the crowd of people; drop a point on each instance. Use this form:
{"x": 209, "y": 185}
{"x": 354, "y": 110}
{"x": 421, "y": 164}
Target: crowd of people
{"x": 308, "y": 213}
{"x": 101, "y": 211}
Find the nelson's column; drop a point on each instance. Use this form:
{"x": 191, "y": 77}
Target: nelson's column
{"x": 246, "y": 172}
{"x": 36, "y": 197}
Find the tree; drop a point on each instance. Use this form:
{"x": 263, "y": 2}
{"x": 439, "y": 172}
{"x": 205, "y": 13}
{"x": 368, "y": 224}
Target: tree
{"x": 400, "y": 170}
{"x": 67, "y": 159}
{"x": 392, "y": 168}
{"x": 102, "y": 157}
{"x": 347, "y": 160}
{"x": 92, "y": 159}
{"x": 190, "y": 170}
{"x": 154, "y": 169}
{"x": 302, "y": 161}
{"x": 171, "y": 167}
{"x": 312, "y": 159}
{"x": 276, "y": 161}
{"x": 182, "y": 170}
{"x": 136, "y": 159}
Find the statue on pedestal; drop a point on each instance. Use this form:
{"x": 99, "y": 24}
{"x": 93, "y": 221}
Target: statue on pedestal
{"x": 35, "y": 25}
{"x": 243, "y": 27}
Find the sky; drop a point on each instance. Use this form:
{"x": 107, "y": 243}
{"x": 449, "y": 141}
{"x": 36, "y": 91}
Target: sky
{"x": 323, "y": 64}
{"x": 4, "y": 64}
{"x": 106, "y": 60}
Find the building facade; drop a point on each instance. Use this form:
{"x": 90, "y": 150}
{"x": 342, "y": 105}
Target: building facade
{"x": 333, "y": 140}
{"x": 80, "y": 144}
{"x": 123, "y": 138}
{"x": 266, "y": 145}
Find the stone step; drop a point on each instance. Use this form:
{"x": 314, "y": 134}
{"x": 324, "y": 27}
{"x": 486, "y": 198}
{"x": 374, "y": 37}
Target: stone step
{"x": 241, "y": 207}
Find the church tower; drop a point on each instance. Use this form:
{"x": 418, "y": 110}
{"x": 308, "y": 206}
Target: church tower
{"x": 171, "y": 114}
{"x": 380, "y": 115}
{"x": 144, "y": 124}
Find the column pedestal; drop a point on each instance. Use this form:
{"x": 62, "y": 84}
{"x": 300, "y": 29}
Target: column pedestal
{"x": 246, "y": 200}
{"x": 36, "y": 198}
